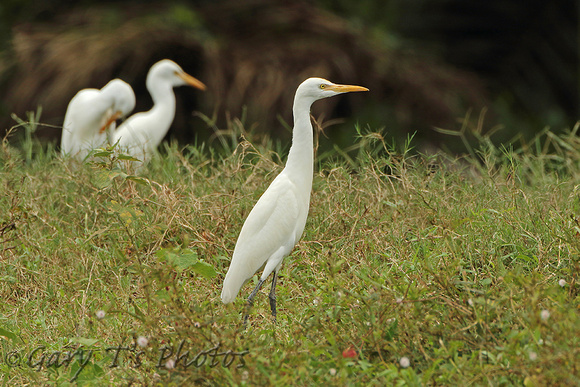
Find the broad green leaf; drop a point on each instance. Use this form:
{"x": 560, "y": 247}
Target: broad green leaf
{"x": 6, "y": 333}
{"x": 122, "y": 156}
{"x": 164, "y": 254}
{"x": 104, "y": 178}
{"x": 138, "y": 180}
{"x": 185, "y": 259}
{"x": 102, "y": 153}
{"x": 204, "y": 269}
{"x": 85, "y": 341}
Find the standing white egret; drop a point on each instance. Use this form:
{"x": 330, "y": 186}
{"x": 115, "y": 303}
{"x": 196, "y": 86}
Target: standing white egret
{"x": 276, "y": 222}
{"x": 141, "y": 133}
{"x": 91, "y": 113}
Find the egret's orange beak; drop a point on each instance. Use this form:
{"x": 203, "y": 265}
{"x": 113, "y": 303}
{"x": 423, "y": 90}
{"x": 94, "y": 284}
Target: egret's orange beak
{"x": 191, "y": 81}
{"x": 114, "y": 117}
{"x": 346, "y": 88}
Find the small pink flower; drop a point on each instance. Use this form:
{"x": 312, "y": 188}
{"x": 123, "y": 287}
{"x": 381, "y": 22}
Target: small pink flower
{"x": 562, "y": 282}
{"x": 350, "y": 352}
{"x": 405, "y": 362}
{"x": 100, "y": 314}
{"x": 142, "y": 341}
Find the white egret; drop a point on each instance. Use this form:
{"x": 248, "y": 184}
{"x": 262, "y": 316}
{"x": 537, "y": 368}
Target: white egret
{"x": 90, "y": 113}
{"x": 276, "y": 222}
{"x": 141, "y": 133}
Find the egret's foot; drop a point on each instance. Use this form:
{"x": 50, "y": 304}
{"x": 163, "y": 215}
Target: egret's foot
{"x": 273, "y": 306}
{"x": 272, "y": 296}
{"x": 251, "y": 301}
{"x": 247, "y": 312}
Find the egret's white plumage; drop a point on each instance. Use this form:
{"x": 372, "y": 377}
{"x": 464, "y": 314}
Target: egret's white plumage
{"x": 141, "y": 133}
{"x": 91, "y": 113}
{"x": 277, "y": 221}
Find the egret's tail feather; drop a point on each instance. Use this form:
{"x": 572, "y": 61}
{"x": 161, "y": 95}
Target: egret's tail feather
{"x": 231, "y": 288}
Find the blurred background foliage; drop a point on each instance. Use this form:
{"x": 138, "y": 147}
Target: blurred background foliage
{"x": 428, "y": 63}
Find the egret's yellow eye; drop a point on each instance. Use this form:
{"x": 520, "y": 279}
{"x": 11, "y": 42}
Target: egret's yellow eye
{"x": 323, "y": 86}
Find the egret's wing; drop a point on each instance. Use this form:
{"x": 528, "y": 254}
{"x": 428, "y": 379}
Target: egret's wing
{"x": 270, "y": 228}
{"x": 82, "y": 121}
{"x": 73, "y": 119}
{"x": 272, "y": 221}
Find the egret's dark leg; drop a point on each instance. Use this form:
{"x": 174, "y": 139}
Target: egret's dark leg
{"x": 272, "y": 296}
{"x": 251, "y": 300}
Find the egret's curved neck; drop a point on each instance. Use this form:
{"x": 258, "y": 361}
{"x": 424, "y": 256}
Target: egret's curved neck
{"x": 163, "y": 109}
{"x": 301, "y": 155}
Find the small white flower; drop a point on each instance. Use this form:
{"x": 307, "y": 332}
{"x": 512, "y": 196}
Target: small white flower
{"x": 368, "y": 323}
{"x": 245, "y": 375}
{"x": 562, "y": 282}
{"x": 470, "y": 301}
{"x": 332, "y": 371}
{"x": 100, "y": 314}
{"x": 398, "y": 300}
{"x": 142, "y": 341}
{"x": 196, "y": 324}
{"x": 315, "y": 301}
{"x": 545, "y": 314}
{"x": 533, "y": 356}
{"x": 170, "y": 364}
{"x": 339, "y": 294}
{"x": 540, "y": 341}
{"x": 404, "y": 362}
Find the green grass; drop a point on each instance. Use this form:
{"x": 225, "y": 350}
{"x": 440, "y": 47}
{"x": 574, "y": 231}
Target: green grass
{"x": 448, "y": 262}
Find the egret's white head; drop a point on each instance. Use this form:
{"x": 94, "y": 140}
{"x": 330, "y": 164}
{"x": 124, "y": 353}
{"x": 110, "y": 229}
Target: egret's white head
{"x": 314, "y": 89}
{"x": 167, "y": 71}
{"x": 123, "y": 96}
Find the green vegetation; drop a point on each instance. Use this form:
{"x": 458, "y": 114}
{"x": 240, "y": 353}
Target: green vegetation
{"x": 467, "y": 268}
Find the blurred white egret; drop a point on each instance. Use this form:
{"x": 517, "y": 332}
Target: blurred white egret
{"x": 276, "y": 222}
{"x": 141, "y": 133}
{"x": 90, "y": 113}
